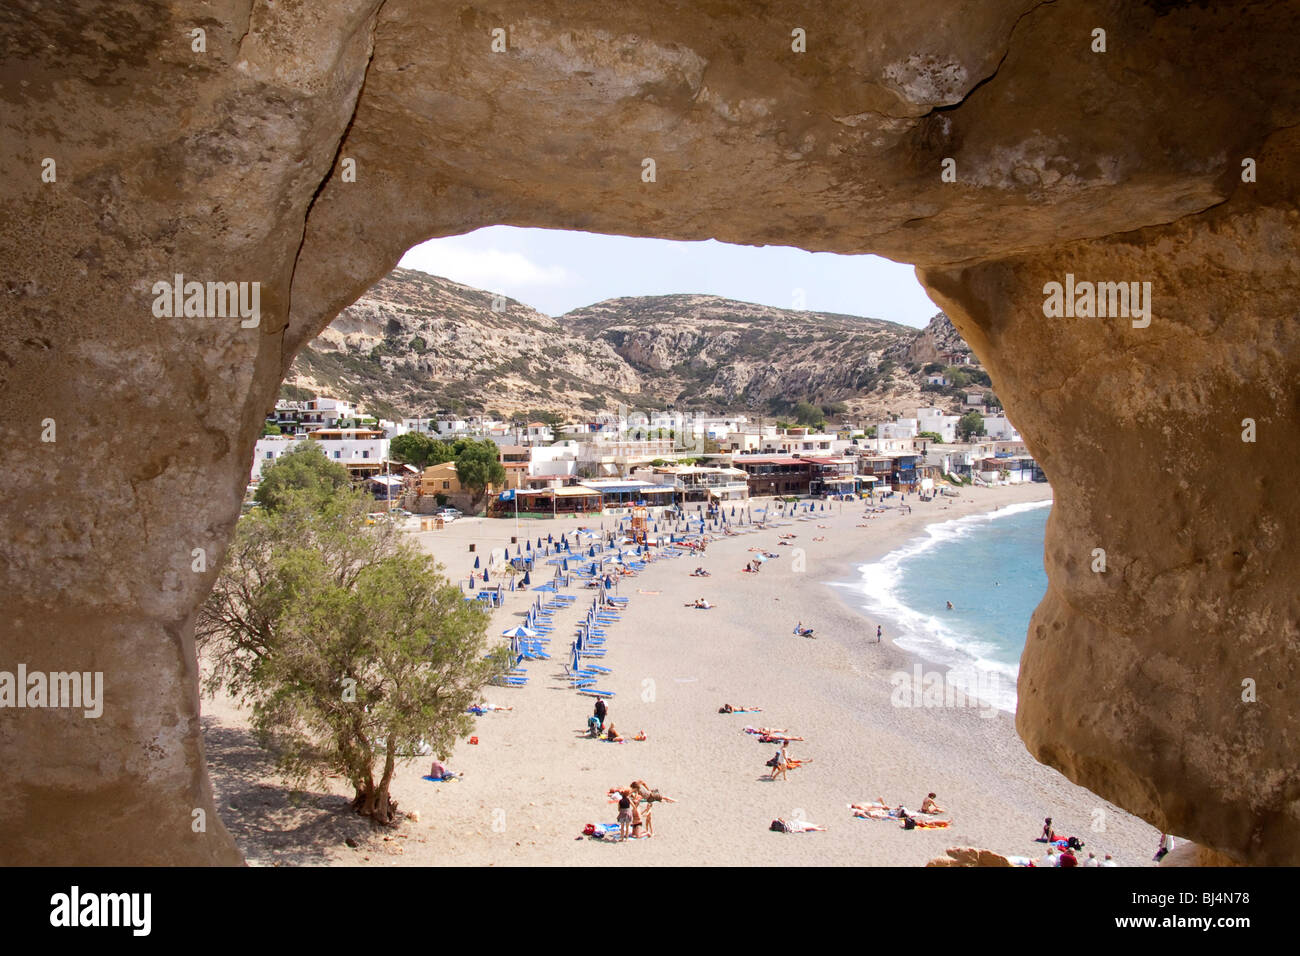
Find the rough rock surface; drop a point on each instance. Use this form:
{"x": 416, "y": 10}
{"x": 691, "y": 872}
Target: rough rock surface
{"x": 228, "y": 165}
{"x": 969, "y": 856}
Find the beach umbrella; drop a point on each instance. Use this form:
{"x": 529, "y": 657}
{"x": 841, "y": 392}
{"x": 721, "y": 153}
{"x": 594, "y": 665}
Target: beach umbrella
{"x": 476, "y": 562}
{"x": 471, "y": 582}
{"x": 526, "y": 581}
{"x": 609, "y": 582}
{"x": 485, "y": 576}
{"x": 528, "y": 545}
{"x": 548, "y": 538}
{"x": 519, "y": 631}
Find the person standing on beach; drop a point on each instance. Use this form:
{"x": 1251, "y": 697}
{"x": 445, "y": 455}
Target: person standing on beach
{"x": 878, "y": 633}
{"x": 601, "y": 711}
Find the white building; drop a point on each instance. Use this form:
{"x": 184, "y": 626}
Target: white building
{"x": 349, "y": 447}
{"x": 559, "y": 460}
{"x": 902, "y": 428}
{"x": 937, "y": 421}
{"x": 997, "y": 426}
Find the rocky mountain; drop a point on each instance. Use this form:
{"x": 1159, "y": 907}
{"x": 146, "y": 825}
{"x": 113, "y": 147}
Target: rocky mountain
{"x": 415, "y": 343}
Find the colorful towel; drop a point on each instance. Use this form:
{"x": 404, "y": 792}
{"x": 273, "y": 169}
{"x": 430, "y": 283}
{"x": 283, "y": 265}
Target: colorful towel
{"x": 443, "y": 779}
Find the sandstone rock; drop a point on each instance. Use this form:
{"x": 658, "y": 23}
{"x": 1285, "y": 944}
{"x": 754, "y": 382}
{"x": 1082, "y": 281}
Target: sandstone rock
{"x": 969, "y": 856}
{"x": 226, "y": 165}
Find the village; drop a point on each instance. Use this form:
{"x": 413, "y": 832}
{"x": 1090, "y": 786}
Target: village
{"x": 656, "y": 459}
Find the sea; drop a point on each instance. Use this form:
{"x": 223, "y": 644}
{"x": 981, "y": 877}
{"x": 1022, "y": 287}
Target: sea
{"x": 990, "y": 566}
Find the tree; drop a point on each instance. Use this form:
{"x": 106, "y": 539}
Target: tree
{"x": 348, "y": 643}
{"x": 304, "y": 469}
{"x": 970, "y": 425}
{"x": 806, "y": 413}
{"x": 271, "y": 428}
{"x": 478, "y": 465}
{"x": 932, "y": 436}
{"x": 420, "y": 450}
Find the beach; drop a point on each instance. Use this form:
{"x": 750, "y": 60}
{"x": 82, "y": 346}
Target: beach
{"x": 534, "y": 779}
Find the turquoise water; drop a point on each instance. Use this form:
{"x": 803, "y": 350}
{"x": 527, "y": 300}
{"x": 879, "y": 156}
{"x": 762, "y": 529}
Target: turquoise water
{"x": 990, "y": 566}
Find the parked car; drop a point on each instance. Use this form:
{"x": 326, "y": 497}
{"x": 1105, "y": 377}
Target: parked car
{"x": 448, "y": 514}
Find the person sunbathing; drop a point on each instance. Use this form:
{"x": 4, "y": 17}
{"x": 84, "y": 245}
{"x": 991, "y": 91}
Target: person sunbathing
{"x": 821, "y": 538}
{"x": 879, "y": 804}
{"x": 699, "y": 573}
{"x": 440, "y": 771}
{"x": 764, "y": 730}
{"x": 743, "y": 709}
{"x": 777, "y": 738}
{"x": 929, "y": 806}
{"x": 803, "y": 631}
{"x": 649, "y": 794}
{"x": 798, "y": 826}
{"x": 613, "y": 735}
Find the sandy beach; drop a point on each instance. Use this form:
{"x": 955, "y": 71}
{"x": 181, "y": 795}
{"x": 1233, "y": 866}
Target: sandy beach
{"x": 534, "y": 779}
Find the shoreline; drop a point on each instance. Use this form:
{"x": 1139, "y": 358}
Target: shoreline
{"x": 534, "y": 780}
{"x": 847, "y": 589}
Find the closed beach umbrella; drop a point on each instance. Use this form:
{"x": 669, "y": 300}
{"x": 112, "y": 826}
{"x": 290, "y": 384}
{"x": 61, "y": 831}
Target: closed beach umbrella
{"x": 476, "y": 562}
{"x": 526, "y": 581}
{"x": 471, "y": 582}
{"x": 485, "y": 576}
{"x": 528, "y": 545}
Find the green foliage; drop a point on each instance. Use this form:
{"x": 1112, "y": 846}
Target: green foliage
{"x": 871, "y": 431}
{"x": 418, "y": 345}
{"x": 932, "y": 367}
{"x": 806, "y": 413}
{"x": 304, "y": 470}
{"x": 970, "y": 425}
{"x": 271, "y": 428}
{"x": 348, "y": 643}
{"x": 420, "y": 450}
{"x": 992, "y": 401}
{"x": 478, "y": 465}
{"x": 933, "y": 436}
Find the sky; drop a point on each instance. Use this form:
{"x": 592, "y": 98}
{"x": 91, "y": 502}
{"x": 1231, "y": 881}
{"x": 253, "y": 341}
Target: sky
{"x": 555, "y": 271}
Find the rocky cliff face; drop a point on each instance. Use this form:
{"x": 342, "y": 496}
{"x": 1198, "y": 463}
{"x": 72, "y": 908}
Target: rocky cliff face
{"x": 306, "y": 147}
{"x": 413, "y": 343}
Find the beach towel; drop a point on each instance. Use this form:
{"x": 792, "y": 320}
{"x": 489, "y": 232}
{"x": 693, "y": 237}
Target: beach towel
{"x": 601, "y": 830}
{"x": 442, "y": 779}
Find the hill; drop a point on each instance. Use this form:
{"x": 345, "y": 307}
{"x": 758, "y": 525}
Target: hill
{"x": 415, "y": 343}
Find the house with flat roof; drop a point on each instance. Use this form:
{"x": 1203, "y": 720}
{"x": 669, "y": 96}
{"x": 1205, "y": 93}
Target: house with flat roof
{"x": 775, "y": 474}
{"x": 692, "y": 483}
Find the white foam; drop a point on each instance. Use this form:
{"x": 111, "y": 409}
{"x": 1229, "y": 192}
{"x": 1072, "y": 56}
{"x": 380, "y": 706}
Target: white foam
{"x": 926, "y": 634}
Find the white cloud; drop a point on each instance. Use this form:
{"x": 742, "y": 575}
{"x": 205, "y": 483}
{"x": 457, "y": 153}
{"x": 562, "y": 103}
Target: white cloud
{"x": 483, "y": 268}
